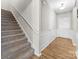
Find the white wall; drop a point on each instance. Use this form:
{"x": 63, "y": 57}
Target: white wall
{"x": 44, "y": 18}
{"x": 64, "y": 20}
{"x": 36, "y": 17}
{"x": 20, "y": 5}
{"x": 5, "y": 4}
{"x": 48, "y": 18}
{"x": 67, "y": 26}
{"x": 27, "y": 14}
{"x": 75, "y": 19}
{"x": 48, "y": 26}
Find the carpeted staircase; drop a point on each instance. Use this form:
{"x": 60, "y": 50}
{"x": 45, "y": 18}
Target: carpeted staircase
{"x": 14, "y": 44}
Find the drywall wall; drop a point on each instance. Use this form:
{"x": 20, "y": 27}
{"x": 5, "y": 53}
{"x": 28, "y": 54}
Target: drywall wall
{"x": 48, "y": 26}
{"x": 27, "y": 14}
{"x": 48, "y": 18}
{"x": 44, "y": 18}
{"x": 36, "y": 16}
{"x": 75, "y": 19}
{"x": 20, "y": 5}
{"x": 5, "y": 4}
{"x": 64, "y": 20}
{"x": 67, "y": 25}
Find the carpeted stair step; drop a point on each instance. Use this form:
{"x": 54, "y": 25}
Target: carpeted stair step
{"x": 10, "y": 20}
{"x": 10, "y": 28}
{"x": 14, "y": 49}
{"x": 11, "y": 38}
{"x": 18, "y": 41}
{"x": 14, "y": 44}
{"x": 25, "y": 54}
{"x": 5, "y": 21}
{"x": 9, "y": 24}
{"x": 10, "y": 52}
{"x": 4, "y": 33}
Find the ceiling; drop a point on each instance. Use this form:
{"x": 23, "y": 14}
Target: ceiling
{"x": 60, "y": 5}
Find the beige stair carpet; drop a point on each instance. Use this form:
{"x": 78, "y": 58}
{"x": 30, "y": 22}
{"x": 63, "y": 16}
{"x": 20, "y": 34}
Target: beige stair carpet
{"x": 14, "y": 44}
{"x": 60, "y": 48}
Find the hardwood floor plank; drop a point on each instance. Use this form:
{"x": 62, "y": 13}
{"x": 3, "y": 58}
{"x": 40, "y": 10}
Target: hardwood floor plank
{"x": 60, "y": 48}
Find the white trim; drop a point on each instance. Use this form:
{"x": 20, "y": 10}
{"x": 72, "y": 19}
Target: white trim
{"x": 37, "y": 54}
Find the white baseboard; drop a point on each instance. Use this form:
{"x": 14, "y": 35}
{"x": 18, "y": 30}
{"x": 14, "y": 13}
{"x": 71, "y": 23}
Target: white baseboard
{"x": 37, "y": 54}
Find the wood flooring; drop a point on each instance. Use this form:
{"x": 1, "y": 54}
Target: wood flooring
{"x": 60, "y": 48}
